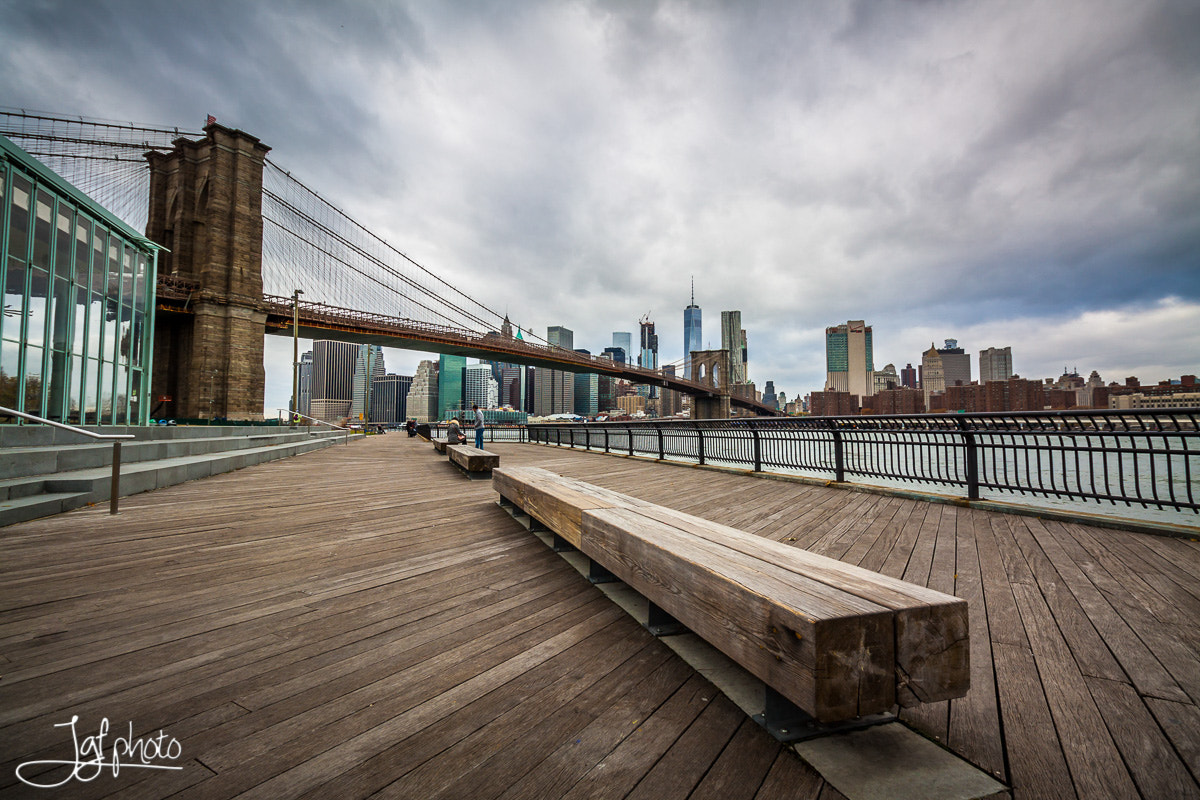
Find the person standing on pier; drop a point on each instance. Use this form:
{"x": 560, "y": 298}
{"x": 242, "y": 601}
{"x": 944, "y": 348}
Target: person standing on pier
{"x": 478, "y": 425}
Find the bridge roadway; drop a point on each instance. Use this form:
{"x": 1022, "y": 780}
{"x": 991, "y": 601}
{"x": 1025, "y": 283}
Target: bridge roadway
{"x": 364, "y": 621}
{"x": 322, "y": 321}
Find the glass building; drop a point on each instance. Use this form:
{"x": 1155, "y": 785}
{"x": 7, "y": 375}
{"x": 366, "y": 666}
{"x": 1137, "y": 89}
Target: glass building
{"x": 76, "y": 336}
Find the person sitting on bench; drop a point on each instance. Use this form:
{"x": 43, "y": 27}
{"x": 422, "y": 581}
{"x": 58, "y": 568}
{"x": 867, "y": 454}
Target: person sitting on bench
{"x": 454, "y": 434}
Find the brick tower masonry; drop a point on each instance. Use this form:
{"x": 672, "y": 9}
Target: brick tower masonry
{"x": 206, "y": 209}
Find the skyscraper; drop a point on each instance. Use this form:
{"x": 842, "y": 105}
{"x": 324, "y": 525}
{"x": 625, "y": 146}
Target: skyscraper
{"x": 617, "y": 354}
{"x": 956, "y": 364}
{"x": 995, "y": 364}
{"x": 450, "y": 384}
{"x": 555, "y": 389}
{"x": 692, "y": 337}
{"x": 624, "y": 340}
{"x": 368, "y": 365}
{"x": 304, "y": 384}
{"x": 332, "y": 379}
{"x": 389, "y": 395}
{"x": 587, "y": 392}
{"x": 480, "y": 387}
{"x": 933, "y": 375}
{"x": 422, "y": 400}
{"x": 849, "y": 359}
{"x": 908, "y": 377}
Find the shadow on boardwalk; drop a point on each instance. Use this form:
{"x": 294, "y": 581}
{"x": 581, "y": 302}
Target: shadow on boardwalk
{"x": 366, "y": 621}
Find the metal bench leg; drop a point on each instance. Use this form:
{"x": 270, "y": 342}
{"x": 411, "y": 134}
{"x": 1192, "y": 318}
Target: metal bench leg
{"x": 787, "y": 722}
{"x": 598, "y": 573}
{"x": 660, "y": 623}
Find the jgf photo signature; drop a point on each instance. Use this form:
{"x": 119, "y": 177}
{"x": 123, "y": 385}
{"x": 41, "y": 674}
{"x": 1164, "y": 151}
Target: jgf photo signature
{"x": 92, "y": 758}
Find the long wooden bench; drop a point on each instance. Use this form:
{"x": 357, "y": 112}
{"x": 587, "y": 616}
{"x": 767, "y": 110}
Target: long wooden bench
{"x": 473, "y": 461}
{"x": 836, "y": 640}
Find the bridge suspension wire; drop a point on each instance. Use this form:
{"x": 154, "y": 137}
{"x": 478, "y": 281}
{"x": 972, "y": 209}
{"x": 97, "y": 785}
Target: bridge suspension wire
{"x": 373, "y": 263}
{"x": 103, "y": 158}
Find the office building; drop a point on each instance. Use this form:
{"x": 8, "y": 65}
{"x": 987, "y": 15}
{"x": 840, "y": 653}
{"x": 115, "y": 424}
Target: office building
{"x": 617, "y": 354}
{"x": 769, "y": 397}
{"x": 587, "y": 391}
{"x": 995, "y": 364}
{"x": 555, "y": 389}
{"x": 956, "y": 364}
{"x": 624, "y": 341}
{"x": 422, "y": 401}
{"x": 79, "y": 291}
{"x": 692, "y": 334}
{"x": 450, "y": 385}
{"x": 389, "y": 399}
{"x": 933, "y": 377}
{"x": 333, "y": 379}
{"x": 849, "y": 359}
{"x": 304, "y": 384}
{"x": 886, "y": 378}
{"x": 512, "y": 384}
{"x": 648, "y": 358}
{"x": 670, "y": 402}
{"x": 908, "y": 377}
{"x": 368, "y": 365}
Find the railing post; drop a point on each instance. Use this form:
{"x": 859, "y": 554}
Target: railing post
{"x": 629, "y": 433}
{"x": 700, "y": 443}
{"x": 115, "y": 487}
{"x": 606, "y": 440}
{"x": 757, "y": 448}
{"x": 661, "y": 453}
{"x": 972, "y": 458}
{"x": 839, "y": 456}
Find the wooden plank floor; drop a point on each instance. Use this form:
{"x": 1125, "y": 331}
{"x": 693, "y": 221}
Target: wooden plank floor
{"x": 364, "y": 621}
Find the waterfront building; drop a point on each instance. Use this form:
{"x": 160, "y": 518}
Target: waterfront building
{"x": 995, "y": 364}
{"x": 422, "y": 401}
{"x": 77, "y": 333}
{"x": 849, "y": 359}
{"x": 902, "y": 400}
{"x": 833, "y": 404}
{"x": 333, "y": 379}
{"x": 389, "y": 398}
{"x": 692, "y": 333}
{"x": 450, "y": 385}
{"x": 632, "y": 404}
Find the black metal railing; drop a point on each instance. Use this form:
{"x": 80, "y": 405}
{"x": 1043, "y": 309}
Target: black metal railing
{"x": 492, "y": 433}
{"x": 1146, "y": 458}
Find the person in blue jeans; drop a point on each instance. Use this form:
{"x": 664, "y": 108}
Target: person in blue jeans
{"x": 478, "y": 426}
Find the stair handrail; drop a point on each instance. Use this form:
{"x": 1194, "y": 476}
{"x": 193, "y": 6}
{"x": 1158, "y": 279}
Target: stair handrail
{"x": 115, "y": 438}
{"x": 348, "y": 431}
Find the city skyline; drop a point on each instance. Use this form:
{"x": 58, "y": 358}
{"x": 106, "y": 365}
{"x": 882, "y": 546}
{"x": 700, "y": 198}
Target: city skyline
{"x": 1017, "y": 175}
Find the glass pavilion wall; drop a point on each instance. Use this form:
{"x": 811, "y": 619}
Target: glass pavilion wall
{"x": 77, "y": 329}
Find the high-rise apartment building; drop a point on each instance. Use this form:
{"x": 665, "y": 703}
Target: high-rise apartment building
{"x": 555, "y": 389}
{"x": 733, "y": 339}
{"x": 956, "y": 364}
{"x": 480, "y": 387}
{"x": 692, "y": 334}
{"x": 332, "y": 379}
{"x": 849, "y": 359}
{"x": 995, "y": 364}
{"x": 422, "y": 401}
{"x": 450, "y": 385}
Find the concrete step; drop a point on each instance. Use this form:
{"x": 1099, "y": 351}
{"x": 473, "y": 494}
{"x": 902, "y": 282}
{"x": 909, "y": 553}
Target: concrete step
{"x": 17, "y": 462}
{"x": 78, "y": 487}
{"x": 21, "y": 509}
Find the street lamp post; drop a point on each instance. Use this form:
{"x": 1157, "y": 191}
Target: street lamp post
{"x": 296, "y": 354}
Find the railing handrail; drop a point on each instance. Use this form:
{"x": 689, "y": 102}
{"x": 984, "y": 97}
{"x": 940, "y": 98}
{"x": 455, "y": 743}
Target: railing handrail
{"x": 109, "y": 436}
{"x": 114, "y": 486}
{"x": 347, "y": 431}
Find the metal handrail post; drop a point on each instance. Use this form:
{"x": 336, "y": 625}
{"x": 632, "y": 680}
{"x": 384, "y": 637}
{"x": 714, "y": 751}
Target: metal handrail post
{"x": 757, "y": 449}
{"x": 115, "y": 485}
{"x": 661, "y": 454}
{"x": 839, "y": 458}
{"x": 972, "y": 458}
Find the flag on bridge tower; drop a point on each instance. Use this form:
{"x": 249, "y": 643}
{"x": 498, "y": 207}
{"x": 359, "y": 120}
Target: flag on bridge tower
{"x": 211, "y": 120}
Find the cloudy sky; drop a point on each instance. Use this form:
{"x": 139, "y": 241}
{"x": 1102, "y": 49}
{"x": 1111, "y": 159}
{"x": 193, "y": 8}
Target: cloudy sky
{"x": 1003, "y": 173}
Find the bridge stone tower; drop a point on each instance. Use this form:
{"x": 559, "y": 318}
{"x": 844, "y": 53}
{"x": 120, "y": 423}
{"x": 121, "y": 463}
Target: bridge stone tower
{"x": 711, "y": 368}
{"x": 206, "y": 209}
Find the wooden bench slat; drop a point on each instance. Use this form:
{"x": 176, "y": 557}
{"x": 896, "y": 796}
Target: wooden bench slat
{"x": 829, "y": 653}
{"x": 932, "y": 645}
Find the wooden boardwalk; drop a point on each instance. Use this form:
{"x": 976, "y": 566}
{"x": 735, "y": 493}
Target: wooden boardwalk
{"x": 366, "y": 621}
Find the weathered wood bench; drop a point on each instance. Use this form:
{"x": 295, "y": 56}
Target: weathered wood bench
{"x": 473, "y": 461}
{"x": 836, "y": 640}
{"x": 440, "y": 443}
